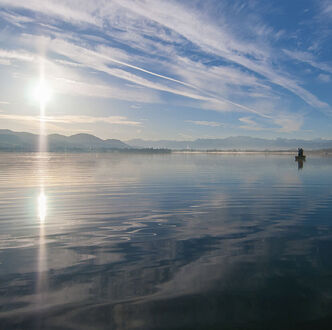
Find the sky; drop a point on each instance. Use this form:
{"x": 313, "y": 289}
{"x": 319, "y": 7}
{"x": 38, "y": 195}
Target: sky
{"x": 176, "y": 70}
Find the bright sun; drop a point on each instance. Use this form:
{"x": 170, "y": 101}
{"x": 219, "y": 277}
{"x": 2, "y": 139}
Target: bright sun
{"x": 42, "y": 92}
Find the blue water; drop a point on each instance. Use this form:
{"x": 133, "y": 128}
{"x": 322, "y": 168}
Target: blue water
{"x": 174, "y": 241}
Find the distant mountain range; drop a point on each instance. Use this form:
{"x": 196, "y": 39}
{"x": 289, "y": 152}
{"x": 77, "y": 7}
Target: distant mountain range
{"x": 235, "y": 143}
{"x": 21, "y": 141}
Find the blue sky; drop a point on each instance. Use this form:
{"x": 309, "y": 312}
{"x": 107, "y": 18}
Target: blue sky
{"x": 169, "y": 69}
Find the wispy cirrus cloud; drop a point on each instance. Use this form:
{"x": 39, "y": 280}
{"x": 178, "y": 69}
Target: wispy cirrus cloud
{"x": 69, "y": 11}
{"x": 217, "y": 56}
{"x": 205, "y": 123}
{"x": 218, "y": 41}
{"x": 100, "y": 61}
{"x": 20, "y": 55}
{"x": 326, "y": 7}
{"x": 324, "y": 77}
{"x": 71, "y": 119}
{"x": 223, "y": 44}
{"x": 108, "y": 91}
{"x": 283, "y": 124}
{"x": 250, "y": 124}
{"x": 308, "y": 58}
{"x": 15, "y": 19}
{"x": 289, "y": 123}
{"x": 67, "y": 81}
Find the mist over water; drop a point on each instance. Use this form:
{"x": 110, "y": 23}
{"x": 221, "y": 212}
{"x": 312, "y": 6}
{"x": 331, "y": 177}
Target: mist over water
{"x": 174, "y": 241}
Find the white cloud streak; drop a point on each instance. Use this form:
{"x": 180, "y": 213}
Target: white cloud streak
{"x": 326, "y": 8}
{"x": 309, "y": 59}
{"x": 217, "y": 40}
{"x": 324, "y": 77}
{"x": 69, "y": 11}
{"x": 205, "y": 123}
{"x": 286, "y": 123}
{"x": 156, "y": 31}
{"x": 16, "y": 55}
{"x": 100, "y": 62}
{"x": 71, "y": 119}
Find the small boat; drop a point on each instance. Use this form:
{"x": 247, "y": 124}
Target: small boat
{"x": 300, "y": 158}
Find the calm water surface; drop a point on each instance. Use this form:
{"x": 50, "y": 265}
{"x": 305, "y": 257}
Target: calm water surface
{"x": 177, "y": 241}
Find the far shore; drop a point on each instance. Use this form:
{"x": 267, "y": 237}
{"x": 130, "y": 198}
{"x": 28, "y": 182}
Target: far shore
{"x": 273, "y": 152}
{"x": 321, "y": 152}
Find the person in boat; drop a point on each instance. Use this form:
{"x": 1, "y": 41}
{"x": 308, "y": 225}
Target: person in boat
{"x": 300, "y": 152}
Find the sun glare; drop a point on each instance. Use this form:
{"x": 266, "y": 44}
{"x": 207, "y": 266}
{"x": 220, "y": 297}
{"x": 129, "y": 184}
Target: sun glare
{"x": 42, "y": 92}
{"x": 42, "y": 207}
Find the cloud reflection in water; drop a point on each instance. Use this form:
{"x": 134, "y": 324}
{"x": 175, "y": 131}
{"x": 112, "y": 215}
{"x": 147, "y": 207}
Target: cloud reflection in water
{"x": 146, "y": 242}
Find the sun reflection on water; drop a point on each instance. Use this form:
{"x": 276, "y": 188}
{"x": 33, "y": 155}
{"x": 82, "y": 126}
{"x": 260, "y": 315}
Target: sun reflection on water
{"x": 42, "y": 206}
{"x": 42, "y": 277}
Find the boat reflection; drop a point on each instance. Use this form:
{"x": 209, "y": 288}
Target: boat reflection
{"x": 300, "y": 163}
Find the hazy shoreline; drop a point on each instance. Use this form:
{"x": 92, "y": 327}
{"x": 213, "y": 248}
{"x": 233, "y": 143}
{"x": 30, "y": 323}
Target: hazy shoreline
{"x": 92, "y": 151}
{"x": 82, "y": 142}
{"x": 170, "y": 151}
{"x": 276, "y": 152}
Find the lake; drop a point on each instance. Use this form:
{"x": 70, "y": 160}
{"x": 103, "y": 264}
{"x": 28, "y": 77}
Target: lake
{"x": 165, "y": 241}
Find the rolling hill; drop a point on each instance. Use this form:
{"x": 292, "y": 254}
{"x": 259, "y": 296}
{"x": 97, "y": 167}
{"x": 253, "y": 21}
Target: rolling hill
{"x": 21, "y": 141}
